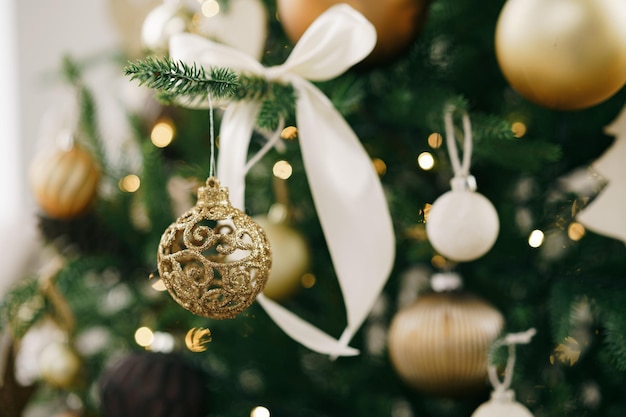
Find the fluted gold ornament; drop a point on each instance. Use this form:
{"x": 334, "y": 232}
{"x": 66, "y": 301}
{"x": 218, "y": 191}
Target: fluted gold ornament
{"x": 64, "y": 182}
{"x": 439, "y": 344}
{"x": 563, "y": 54}
{"x": 214, "y": 259}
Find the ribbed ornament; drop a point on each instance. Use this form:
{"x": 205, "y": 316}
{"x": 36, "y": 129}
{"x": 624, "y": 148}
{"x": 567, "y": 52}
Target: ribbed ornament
{"x": 64, "y": 182}
{"x": 439, "y": 344}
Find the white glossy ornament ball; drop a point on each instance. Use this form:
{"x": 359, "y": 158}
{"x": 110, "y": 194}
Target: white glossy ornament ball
{"x": 502, "y": 404}
{"x": 59, "y": 365}
{"x": 162, "y": 23}
{"x": 462, "y": 225}
{"x": 290, "y": 258}
{"x": 563, "y": 54}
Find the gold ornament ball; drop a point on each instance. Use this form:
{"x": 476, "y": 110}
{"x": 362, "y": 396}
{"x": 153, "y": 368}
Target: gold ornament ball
{"x": 290, "y": 258}
{"x": 439, "y": 345}
{"x": 214, "y": 259}
{"x": 59, "y": 365}
{"x": 64, "y": 182}
{"x": 563, "y": 54}
{"x": 397, "y": 22}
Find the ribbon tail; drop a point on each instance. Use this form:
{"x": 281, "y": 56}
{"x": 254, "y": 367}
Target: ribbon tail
{"x": 238, "y": 123}
{"x": 350, "y": 203}
{"x": 303, "y": 332}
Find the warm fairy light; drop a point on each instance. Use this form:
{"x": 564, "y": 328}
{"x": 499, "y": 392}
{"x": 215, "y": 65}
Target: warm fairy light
{"x": 210, "y": 8}
{"x": 575, "y": 231}
{"x": 536, "y": 238}
{"x": 307, "y": 280}
{"x": 435, "y": 140}
{"x": 438, "y": 261}
{"x": 163, "y": 342}
{"x": 282, "y": 170}
{"x": 159, "y": 285}
{"x": 162, "y": 133}
{"x": 144, "y": 336}
{"x": 519, "y": 129}
{"x": 380, "y": 166}
{"x": 260, "y": 411}
{"x": 130, "y": 183}
{"x": 289, "y": 133}
{"x": 426, "y": 161}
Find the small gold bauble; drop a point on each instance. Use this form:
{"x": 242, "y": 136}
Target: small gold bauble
{"x": 64, "y": 183}
{"x": 397, "y": 22}
{"x": 439, "y": 345}
{"x": 563, "y": 54}
{"x": 59, "y": 365}
{"x": 290, "y": 258}
{"x": 214, "y": 259}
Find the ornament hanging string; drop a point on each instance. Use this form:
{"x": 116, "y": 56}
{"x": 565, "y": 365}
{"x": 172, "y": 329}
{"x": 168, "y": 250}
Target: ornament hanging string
{"x": 212, "y": 137}
{"x": 346, "y": 190}
{"x": 462, "y": 177}
{"x": 510, "y": 340}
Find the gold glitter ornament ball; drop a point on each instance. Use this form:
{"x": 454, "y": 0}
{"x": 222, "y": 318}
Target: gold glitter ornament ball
{"x": 439, "y": 345}
{"x": 64, "y": 182}
{"x": 563, "y": 54}
{"x": 214, "y": 259}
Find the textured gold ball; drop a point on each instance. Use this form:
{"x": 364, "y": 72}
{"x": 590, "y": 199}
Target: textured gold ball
{"x": 439, "y": 345}
{"x": 64, "y": 183}
{"x": 563, "y": 54}
{"x": 290, "y": 258}
{"x": 397, "y": 22}
{"x": 214, "y": 259}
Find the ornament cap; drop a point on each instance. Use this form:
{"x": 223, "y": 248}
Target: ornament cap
{"x": 212, "y": 194}
{"x": 463, "y": 183}
{"x": 503, "y": 396}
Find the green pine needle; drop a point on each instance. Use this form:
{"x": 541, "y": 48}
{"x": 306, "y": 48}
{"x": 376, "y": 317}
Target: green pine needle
{"x": 176, "y": 78}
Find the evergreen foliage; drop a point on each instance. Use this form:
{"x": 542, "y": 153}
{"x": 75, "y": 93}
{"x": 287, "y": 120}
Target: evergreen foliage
{"x": 564, "y": 289}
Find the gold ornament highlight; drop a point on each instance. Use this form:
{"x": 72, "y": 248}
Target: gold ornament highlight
{"x": 214, "y": 259}
{"x": 563, "y": 54}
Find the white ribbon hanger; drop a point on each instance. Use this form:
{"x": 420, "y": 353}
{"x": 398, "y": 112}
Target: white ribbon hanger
{"x": 346, "y": 190}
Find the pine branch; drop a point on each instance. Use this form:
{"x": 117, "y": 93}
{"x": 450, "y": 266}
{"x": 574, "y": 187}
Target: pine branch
{"x": 176, "y": 78}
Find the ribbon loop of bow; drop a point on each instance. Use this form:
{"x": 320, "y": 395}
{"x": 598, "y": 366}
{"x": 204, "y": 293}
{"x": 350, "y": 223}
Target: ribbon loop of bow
{"x": 346, "y": 190}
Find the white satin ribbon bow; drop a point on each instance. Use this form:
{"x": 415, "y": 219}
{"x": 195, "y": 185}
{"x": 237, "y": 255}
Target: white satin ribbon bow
{"x": 346, "y": 190}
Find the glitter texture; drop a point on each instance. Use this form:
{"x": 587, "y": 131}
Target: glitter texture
{"x": 214, "y": 259}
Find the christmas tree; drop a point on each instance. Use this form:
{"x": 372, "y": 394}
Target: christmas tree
{"x": 262, "y": 245}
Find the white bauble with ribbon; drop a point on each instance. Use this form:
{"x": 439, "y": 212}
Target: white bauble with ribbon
{"x": 346, "y": 190}
{"x": 461, "y": 225}
{"x": 502, "y": 404}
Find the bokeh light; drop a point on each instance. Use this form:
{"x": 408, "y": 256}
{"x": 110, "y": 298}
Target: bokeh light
{"x": 144, "y": 336}
{"x": 426, "y": 161}
{"x": 575, "y": 231}
{"x": 518, "y": 129}
{"x": 380, "y": 166}
{"x": 210, "y": 8}
{"x": 260, "y": 411}
{"x": 536, "y": 238}
{"x": 307, "y": 280}
{"x": 162, "y": 133}
{"x": 130, "y": 183}
{"x": 435, "y": 140}
{"x": 282, "y": 170}
{"x": 159, "y": 285}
